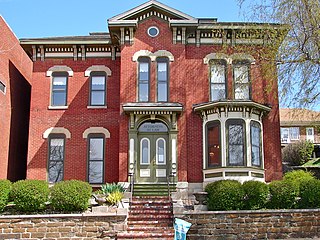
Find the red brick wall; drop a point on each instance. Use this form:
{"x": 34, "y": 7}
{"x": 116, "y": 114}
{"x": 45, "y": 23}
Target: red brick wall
{"x": 15, "y": 73}
{"x": 189, "y": 85}
{"x": 77, "y": 118}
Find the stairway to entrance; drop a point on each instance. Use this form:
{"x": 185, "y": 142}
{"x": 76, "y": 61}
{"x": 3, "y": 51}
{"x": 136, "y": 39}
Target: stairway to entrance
{"x": 150, "y": 217}
{"x": 153, "y": 189}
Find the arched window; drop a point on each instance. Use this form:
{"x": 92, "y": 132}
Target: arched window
{"x": 218, "y": 89}
{"x": 256, "y": 143}
{"x": 96, "y": 156}
{"x": 144, "y": 79}
{"x": 161, "y": 151}
{"x": 241, "y": 77}
{"x": 145, "y": 151}
{"x": 98, "y": 83}
{"x": 56, "y": 157}
{"x": 162, "y": 79}
{"x": 213, "y": 144}
{"x": 59, "y": 88}
{"x": 235, "y": 129}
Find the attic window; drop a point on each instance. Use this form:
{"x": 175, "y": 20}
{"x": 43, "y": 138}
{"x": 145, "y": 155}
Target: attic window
{"x": 2, "y": 87}
{"x": 153, "y": 31}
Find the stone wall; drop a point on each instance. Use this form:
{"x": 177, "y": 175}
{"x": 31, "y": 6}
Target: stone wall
{"x": 269, "y": 224}
{"x": 64, "y": 226}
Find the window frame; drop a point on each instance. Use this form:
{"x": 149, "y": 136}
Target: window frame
{"x": 59, "y": 74}
{"x": 144, "y": 60}
{"x": 141, "y": 151}
{"x": 99, "y": 74}
{"x": 163, "y": 60}
{"x": 96, "y": 136}
{"x": 244, "y": 141}
{"x": 209, "y": 125}
{"x": 252, "y": 123}
{"x": 235, "y": 65}
{"x": 164, "y": 153}
{"x": 211, "y": 83}
{"x": 291, "y": 133}
{"x": 56, "y": 136}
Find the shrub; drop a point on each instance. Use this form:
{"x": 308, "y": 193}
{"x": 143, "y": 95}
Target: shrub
{"x": 297, "y": 177}
{"x": 5, "y": 187}
{"x": 30, "y": 195}
{"x": 114, "y": 198}
{"x": 283, "y": 195}
{"x": 225, "y": 195}
{"x": 112, "y": 187}
{"x": 310, "y": 194}
{"x": 297, "y": 153}
{"x": 68, "y": 196}
{"x": 256, "y": 194}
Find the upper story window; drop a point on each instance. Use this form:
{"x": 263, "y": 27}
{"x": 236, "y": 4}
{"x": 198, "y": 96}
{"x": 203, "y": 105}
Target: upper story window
{"x": 98, "y": 89}
{"x": 162, "y": 79}
{"x": 59, "y": 89}
{"x": 241, "y": 75}
{"x": 144, "y": 79}
{"x": 56, "y": 157}
{"x": 218, "y": 80}
{"x": 288, "y": 134}
{"x": 256, "y": 143}
{"x": 153, "y": 31}
{"x": 213, "y": 144}
{"x": 235, "y": 142}
{"x": 2, "y": 87}
{"x": 96, "y": 155}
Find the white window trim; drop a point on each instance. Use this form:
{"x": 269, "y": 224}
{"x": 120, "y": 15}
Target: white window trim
{"x": 57, "y": 130}
{"x": 98, "y": 68}
{"x": 157, "y": 155}
{"x": 148, "y": 140}
{"x": 96, "y": 130}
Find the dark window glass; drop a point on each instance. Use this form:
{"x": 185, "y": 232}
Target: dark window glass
{"x": 236, "y": 142}
{"x": 241, "y": 81}
{"x": 2, "y": 87}
{"x": 144, "y": 79}
{"x": 213, "y": 145}
{"x": 96, "y": 159}
{"x": 56, "y": 158}
{"x": 59, "y": 90}
{"x": 218, "y": 81}
{"x": 256, "y": 144}
{"x": 98, "y": 89}
{"x": 162, "y": 79}
{"x": 145, "y": 151}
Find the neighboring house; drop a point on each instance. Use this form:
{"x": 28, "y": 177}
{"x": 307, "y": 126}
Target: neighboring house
{"x": 162, "y": 94}
{"x": 15, "y": 90}
{"x": 300, "y": 124}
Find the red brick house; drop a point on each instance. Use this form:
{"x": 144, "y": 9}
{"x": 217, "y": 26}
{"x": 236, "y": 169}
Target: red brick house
{"x": 161, "y": 94}
{"x": 15, "y": 89}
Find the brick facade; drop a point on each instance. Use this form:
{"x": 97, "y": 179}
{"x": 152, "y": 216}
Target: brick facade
{"x": 16, "y": 75}
{"x": 186, "y": 47}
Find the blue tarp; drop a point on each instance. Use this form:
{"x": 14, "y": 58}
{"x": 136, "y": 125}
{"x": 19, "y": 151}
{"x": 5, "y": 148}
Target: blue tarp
{"x": 181, "y": 228}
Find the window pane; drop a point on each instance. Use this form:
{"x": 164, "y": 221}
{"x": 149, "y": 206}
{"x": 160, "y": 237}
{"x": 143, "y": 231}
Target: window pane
{"x": 56, "y": 149}
{"x": 255, "y": 144}
{"x": 218, "y": 74}
{"x": 143, "y": 71}
{"x": 59, "y": 81}
{"x": 96, "y": 148}
{"x": 145, "y": 151}
{"x": 97, "y": 97}
{"x": 161, "y": 157}
{"x": 236, "y": 145}
{"x": 294, "y": 133}
{"x": 162, "y": 92}
{"x": 55, "y": 172}
{"x": 162, "y": 71}
{"x": 218, "y": 92}
{"x": 96, "y": 172}
{"x": 242, "y": 92}
{"x": 214, "y": 150}
{"x": 59, "y": 98}
{"x": 241, "y": 74}
{"x": 98, "y": 82}
{"x": 143, "y": 92}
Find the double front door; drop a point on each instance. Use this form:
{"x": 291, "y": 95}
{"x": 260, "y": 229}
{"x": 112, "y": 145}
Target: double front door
{"x": 152, "y": 164}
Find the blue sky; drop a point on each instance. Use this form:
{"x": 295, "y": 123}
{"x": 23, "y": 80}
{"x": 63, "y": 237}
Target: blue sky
{"x": 45, "y": 18}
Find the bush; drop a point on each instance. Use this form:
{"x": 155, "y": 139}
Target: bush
{"x": 112, "y": 187}
{"x": 225, "y": 195}
{"x": 297, "y": 177}
{"x": 30, "y": 195}
{"x": 283, "y": 195}
{"x": 256, "y": 194}
{"x": 297, "y": 153}
{"x": 68, "y": 196}
{"x": 310, "y": 194}
{"x": 114, "y": 198}
{"x": 5, "y": 187}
